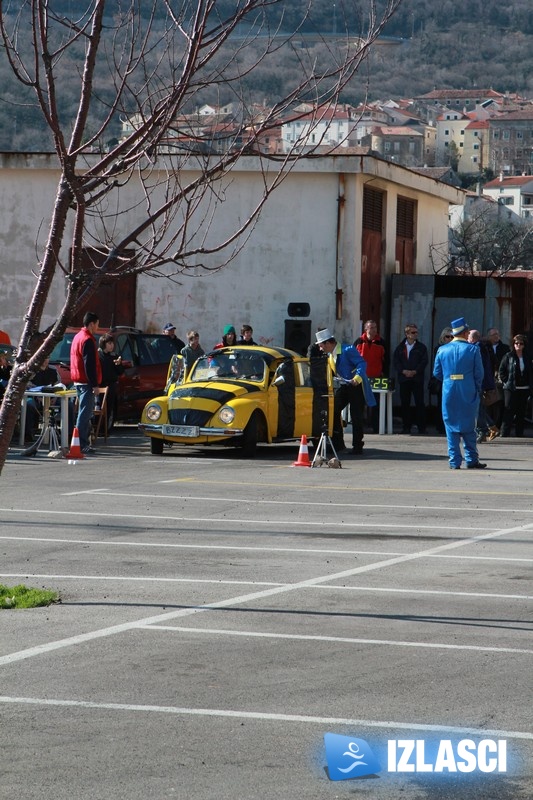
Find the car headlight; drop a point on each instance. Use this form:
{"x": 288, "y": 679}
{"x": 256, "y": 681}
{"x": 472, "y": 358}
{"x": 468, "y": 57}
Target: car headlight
{"x": 153, "y": 413}
{"x": 226, "y": 414}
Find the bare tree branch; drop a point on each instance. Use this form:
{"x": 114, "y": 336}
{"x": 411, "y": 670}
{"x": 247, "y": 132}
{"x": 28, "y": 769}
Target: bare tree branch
{"x": 152, "y": 62}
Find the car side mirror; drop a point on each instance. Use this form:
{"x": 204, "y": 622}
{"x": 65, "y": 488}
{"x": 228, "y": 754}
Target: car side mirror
{"x": 279, "y": 381}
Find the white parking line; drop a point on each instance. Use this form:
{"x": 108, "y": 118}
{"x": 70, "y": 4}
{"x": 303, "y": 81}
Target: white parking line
{"x": 222, "y": 582}
{"x": 326, "y": 505}
{"x": 264, "y": 549}
{"x": 265, "y": 716}
{"x": 127, "y": 626}
{"x": 240, "y": 521}
{"x": 343, "y": 639}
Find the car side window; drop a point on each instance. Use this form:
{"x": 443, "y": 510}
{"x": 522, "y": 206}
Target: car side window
{"x": 123, "y": 347}
{"x": 303, "y": 371}
{"x": 157, "y": 349}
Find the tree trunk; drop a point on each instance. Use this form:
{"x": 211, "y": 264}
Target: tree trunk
{"x": 10, "y": 410}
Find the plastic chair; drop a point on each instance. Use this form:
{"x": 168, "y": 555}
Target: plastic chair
{"x": 100, "y": 415}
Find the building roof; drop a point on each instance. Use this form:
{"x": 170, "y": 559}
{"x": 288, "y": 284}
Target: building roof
{"x": 443, "y": 174}
{"x": 523, "y": 114}
{"x": 478, "y": 124}
{"x": 458, "y": 118}
{"x": 509, "y": 181}
{"x": 396, "y": 130}
{"x": 458, "y": 94}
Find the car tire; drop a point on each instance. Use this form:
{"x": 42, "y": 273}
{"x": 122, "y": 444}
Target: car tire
{"x": 249, "y": 437}
{"x": 157, "y": 446}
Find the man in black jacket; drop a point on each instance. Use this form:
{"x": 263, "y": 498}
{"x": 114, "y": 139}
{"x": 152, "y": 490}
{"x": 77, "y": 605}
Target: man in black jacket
{"x": 410, "y": 360}
{"x": 497, "y": 350}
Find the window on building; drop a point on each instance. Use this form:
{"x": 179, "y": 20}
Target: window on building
{"x": 474, "y": 159}
{"x": 476, "y": 147}
{"x": 460, "y": 144}
{"x": 506, "y": 135}
{"x": 446, "y": 132}
{"x": 387, "y": 147}
{"x": 519, "y": 135}
{"x": 495, "y": 134}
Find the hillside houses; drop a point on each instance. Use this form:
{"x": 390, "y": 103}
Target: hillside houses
{"x": 470, "y": 130}
{"x": 515, "y": 193}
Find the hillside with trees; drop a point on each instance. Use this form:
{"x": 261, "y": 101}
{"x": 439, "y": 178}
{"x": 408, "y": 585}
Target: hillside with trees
{"x": 439, "y": 43}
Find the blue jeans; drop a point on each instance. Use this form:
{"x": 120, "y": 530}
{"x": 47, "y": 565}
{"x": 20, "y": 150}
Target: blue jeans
{"x": 85, "y": 412}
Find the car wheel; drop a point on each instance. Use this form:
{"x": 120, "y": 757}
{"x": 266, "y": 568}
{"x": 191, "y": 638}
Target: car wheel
{"x": 156, "y": 446}
{"x": 249, "y": 437}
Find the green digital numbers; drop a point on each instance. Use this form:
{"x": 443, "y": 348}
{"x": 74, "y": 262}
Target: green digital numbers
{"x": 380, "y": 383}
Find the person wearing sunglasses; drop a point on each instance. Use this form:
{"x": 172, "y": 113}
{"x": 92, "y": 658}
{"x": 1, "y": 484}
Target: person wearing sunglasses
{"x": 410, "y": 360}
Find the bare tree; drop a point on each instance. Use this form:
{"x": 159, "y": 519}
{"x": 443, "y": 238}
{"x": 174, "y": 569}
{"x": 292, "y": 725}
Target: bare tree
{"x": 161, "y": 59}
{"x": 486, "y": 242}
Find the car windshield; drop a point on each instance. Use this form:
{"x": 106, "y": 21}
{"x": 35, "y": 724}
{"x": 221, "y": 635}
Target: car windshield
{"x": 229, "y": 366}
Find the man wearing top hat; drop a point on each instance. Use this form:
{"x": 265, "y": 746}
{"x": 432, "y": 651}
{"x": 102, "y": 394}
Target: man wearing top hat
{"x": 351, "y": 387}
{"x": 460, "y": 369}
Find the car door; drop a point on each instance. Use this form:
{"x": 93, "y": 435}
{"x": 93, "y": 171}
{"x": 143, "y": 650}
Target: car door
{"x": 129, "y": 381}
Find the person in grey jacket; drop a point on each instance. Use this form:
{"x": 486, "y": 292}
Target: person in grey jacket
{"x": 192, "y": 351}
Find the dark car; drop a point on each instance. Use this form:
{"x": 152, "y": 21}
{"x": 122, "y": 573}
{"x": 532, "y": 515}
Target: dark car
{"x": 145, "y": 358}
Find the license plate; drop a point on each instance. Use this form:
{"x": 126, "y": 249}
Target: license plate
{"x": 181, "y": 430}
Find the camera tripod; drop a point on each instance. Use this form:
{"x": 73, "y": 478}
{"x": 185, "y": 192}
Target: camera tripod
{"x": 321, "y": 454}
{"x": 48, "y": 433}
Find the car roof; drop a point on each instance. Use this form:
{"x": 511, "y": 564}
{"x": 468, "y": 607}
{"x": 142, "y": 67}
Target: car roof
{"x": 268, "y": 353}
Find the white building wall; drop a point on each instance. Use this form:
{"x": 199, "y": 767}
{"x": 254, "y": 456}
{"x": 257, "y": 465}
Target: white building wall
{"x": 290, "y": 255}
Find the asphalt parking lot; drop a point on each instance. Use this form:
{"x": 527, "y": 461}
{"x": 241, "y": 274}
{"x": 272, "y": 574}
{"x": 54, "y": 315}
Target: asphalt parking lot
{"x": 219, "y": 616}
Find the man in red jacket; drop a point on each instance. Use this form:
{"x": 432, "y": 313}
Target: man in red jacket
{"x": 372, "y": 347}
{"x": 86, "y": 373}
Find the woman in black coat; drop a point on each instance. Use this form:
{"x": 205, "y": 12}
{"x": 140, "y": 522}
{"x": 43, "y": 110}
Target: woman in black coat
{"x": 516, "y": 375}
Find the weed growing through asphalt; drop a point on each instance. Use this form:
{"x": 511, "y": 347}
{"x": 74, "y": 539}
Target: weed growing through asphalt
{"x": 22, "y": 597}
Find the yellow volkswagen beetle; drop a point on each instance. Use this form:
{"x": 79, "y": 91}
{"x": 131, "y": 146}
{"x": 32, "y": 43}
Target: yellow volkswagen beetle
{"x": 241, "y": 396}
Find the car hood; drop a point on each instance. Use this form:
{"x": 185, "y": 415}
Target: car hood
{"x": 195, "y": 403}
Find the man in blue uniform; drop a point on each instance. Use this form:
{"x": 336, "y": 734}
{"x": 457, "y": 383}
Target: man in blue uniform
{"x": 460, "y": 368}
{"x": 351, "y": 387}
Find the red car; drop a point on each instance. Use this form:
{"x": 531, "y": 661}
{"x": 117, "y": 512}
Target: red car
{"x": 145, "y": 358}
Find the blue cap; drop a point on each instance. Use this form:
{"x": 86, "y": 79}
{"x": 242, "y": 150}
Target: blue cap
{"x": 169, "y": 327}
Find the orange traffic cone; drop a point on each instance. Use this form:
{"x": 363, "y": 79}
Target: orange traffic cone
{"x": 303, "y": 454}
{"x": 75, "y": 449}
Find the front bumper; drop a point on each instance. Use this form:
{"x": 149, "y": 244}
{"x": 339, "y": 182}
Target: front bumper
{"x": 150, "y": 428}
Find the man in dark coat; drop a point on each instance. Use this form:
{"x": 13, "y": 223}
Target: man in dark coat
{"x": 497, "y": 350}
{"x": 410, "y": 360}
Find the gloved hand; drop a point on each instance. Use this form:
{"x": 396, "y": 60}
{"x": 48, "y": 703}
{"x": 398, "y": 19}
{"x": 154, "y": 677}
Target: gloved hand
{"x": 357, "y": 379}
